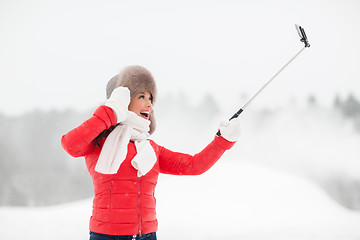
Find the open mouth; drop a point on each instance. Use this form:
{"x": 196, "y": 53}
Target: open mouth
{"x": 145, "y": 115}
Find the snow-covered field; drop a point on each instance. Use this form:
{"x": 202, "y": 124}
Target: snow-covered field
{"x": 233, "y": 200}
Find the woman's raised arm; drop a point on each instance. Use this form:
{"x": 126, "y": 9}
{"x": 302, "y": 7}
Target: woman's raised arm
{"x": 79, "y": 141}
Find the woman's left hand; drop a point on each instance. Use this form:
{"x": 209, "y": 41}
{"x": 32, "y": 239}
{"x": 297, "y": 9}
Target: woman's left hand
{"x": 230, "y": 130}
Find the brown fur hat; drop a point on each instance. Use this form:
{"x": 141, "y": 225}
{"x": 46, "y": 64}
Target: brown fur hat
{"x": 138, "y": 79}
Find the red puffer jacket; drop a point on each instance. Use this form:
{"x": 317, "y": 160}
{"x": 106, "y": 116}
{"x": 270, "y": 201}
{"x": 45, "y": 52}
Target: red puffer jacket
{"x": 124, "y": 204}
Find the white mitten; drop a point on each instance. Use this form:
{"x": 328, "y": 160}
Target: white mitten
{"x": 230, "y": 130}
{"x": 119, "y": 102}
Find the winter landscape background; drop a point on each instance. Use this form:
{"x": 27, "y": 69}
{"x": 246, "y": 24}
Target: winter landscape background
{"x": 294, "y": 174}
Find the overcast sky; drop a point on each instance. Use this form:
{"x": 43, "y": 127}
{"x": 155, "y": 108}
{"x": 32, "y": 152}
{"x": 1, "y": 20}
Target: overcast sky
{"x": 60, "y": 54}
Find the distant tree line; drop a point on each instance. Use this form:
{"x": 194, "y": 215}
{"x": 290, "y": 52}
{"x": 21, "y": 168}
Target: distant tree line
{"x": 34, "y": 169}
{"x": 344, "y": 189}
{"x": 350, "y": 108}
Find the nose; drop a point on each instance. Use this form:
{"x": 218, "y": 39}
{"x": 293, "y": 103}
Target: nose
{"x": 149, "y": 103}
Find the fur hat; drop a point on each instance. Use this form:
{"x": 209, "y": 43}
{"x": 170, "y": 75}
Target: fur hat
{"x": 138, "y": 79}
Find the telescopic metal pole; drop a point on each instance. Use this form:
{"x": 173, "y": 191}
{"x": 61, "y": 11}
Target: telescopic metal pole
{"x": 303, "y": 39}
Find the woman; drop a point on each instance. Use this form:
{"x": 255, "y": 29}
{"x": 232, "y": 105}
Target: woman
{"x": 124, "y": 164}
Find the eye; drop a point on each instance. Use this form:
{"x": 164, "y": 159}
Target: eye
{"x": 141, "y": 96}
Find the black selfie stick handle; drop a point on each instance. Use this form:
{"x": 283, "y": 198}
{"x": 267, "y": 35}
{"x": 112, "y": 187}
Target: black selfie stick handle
{"x": 234, "y": 116}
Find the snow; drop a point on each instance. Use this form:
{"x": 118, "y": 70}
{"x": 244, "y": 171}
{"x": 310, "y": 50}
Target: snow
{"x": 234, "y": 199}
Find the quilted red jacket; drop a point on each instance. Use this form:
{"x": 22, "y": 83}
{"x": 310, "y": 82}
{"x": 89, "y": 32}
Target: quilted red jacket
{"x": 124, "y": 204}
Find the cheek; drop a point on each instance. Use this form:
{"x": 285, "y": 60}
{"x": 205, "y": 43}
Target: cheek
{"x": 135, "y": 106}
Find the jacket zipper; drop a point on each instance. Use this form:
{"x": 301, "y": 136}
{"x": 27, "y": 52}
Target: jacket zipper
{"x": 139, "y": 201}
{"x": 111, "y": 182}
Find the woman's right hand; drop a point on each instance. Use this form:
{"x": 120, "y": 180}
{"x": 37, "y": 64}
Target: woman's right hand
{"x": 119, "y": 102}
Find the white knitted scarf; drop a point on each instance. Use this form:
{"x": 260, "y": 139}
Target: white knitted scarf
{"x": 114, "y": 151}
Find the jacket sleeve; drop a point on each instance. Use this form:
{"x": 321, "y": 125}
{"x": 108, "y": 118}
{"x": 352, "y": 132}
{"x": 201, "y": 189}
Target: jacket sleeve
{"x": 185, "y": 164}
{"x": 78, "y": 142}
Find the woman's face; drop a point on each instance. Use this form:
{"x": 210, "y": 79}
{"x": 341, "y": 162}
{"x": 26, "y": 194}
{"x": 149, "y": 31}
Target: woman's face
{"x": 141, "y": 104}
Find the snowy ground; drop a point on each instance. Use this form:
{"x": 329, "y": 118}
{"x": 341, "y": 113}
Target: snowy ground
{"x": 233, "y": 200}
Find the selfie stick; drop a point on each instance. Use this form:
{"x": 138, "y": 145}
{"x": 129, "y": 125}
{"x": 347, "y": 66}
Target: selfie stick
{"x": 303, "y": 39}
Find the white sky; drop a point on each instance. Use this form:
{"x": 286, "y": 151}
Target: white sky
{"x": 60, "y": 54}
